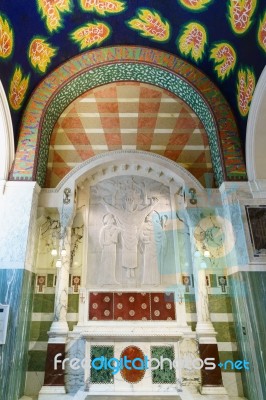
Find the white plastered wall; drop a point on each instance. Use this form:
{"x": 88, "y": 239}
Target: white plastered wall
{"x": 256, "y": 135}
{"x": 6, "y": 137}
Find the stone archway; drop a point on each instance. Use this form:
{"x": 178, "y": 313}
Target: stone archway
{"x": 98, "y": 67}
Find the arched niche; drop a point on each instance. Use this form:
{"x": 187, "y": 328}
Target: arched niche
{"x": 170, "y": 183}
{"x": 130, "y": 63}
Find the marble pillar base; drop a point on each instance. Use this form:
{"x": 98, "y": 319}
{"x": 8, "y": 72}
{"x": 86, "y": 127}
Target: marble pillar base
{"x": 51, "y": 392}
{"x": 205, "y": 329}
{"x": 214, "y": 390}
{"x": 59, "y": 328}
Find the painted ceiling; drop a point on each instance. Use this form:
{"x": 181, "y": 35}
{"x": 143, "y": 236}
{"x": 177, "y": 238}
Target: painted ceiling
{"x": 226, "y": 39}
{"x": 129, "y": 115}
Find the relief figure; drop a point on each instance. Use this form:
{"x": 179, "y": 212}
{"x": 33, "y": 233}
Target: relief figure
{"x": 130, "y": 218}
{"x": 108, "y": 241}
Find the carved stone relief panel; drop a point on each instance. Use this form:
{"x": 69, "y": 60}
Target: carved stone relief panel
{"x": 130, "y": 233}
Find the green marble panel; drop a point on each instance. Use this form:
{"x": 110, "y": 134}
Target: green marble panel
{"x": 38, "y": 330}
{"x": 43, "y": 303}
{"x": 50, "y": 280}
{"x": 190, "y": 303}
{"x": 213, "y": 280}
{"x": 101, "y": 376}
{"x": 165, "y": 375}
{"x": 37, "y": 360}
{"x": 229, "y": 355}
{"x": 220, "y": 303}
{"x": 73, "y": 303}
{"x": 193, "y": 325}
{"x": 16, "y": 289}
{"x": 225, "y": 331}
{"x": 249, "y": 299}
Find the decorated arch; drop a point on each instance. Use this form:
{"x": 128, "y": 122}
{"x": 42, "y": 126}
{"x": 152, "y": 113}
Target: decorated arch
{"x": 127, "y": 63}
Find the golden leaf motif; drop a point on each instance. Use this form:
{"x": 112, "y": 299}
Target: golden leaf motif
{"x": 51, "y": 11}
{"x": 18, "y": 88}
{"x": 103, "y": 7}
{"x": 40, "y": 54}
{"x": 91, "y": 34}
{"x": 224, "y": 57}
{"x": 150, "y": 24}
{"x": 193, "y": 40}
{"x": 6, "y": 38}
{"x": 245, "y": 88}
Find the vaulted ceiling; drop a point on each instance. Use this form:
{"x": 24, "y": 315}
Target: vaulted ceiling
{"x": 226, "y": 39}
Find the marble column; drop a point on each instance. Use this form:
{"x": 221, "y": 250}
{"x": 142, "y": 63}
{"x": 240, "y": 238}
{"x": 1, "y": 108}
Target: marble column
{"x": 59, "y": 325}
{"x": 54, "y": 379}
{"x": 212, "y": 383}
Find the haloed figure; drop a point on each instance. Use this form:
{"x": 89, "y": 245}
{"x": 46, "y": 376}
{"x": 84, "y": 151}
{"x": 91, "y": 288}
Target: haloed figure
{"x": 130, "y": 219}
{"x": 153, "y": 242}
{"x": 108, "y": 241}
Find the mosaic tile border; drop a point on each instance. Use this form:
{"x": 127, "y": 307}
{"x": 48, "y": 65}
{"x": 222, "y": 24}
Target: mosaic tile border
{"x": 162, "y": 69}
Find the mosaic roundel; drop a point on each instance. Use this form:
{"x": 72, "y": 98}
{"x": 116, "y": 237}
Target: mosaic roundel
{"x": 137, "y": 358}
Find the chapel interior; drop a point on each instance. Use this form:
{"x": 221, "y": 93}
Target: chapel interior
{"x": 132, "y": 199}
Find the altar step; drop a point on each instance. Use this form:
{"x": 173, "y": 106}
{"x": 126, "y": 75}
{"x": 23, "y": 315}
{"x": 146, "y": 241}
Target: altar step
{"x": 185, "y": 395}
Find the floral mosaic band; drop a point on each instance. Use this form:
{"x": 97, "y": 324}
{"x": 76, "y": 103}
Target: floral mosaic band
{"x": 131, "y": 63}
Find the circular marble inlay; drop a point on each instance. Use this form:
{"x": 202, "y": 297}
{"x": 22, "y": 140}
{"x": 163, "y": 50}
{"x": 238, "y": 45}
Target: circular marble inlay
{"x": 168, "y": 306}
{"x": 156, "y": 313}
{"x": 131, "y": 299}
{"x": 132, "y": 313}
{"x": 143, "y": 306}
{"x": 95, "y": 306}
{"x": 133, "y": 375}
{"x": 106, "y": 299}
{"x": 156, "y": 299}
{"x": 119, "y": 306}
{"x": 107, "y": 313}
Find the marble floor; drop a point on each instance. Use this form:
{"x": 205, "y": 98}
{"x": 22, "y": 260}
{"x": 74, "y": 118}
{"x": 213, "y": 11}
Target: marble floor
{"x": 104, "y": 397}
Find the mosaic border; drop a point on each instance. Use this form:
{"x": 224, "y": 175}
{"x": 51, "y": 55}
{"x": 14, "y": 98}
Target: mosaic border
{"x": 119, "y": 63}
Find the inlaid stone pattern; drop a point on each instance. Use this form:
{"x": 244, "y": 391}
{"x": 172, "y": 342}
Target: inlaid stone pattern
{"x": 135, "y": 374}
{"x": 166, "y": 374}
{"x": 102, "y": 376}
{"x": 110, "y": 306}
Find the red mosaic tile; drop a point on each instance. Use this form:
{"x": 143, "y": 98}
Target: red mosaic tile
{"x": 162, "y": 306}
{"x": 101, "y": 306}
{"x": 187, "y": 123}
{"x": 78, "y": 138}
{"x": 144, "y": 139}
{"x": 149, "y": 107}
{"x": 71, "y": 123}
{"x": 108, "y": 107}
{"x": 85, "y": 154}
{"x": 150, "y": 93}
{"x": 110, "y": 122}
{"x": 179, "y": 139}
{"x": 106, "y": 92}
{"x": 113, "y": 139}
{"x": 132, "y": 306}
{"x": 149, "y": 122}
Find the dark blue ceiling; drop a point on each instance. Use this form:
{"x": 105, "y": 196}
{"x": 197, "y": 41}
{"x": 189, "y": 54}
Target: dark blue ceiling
{"x": 27, "y": 21}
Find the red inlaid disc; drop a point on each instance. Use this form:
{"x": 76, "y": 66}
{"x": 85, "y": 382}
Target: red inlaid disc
{"x": 133, "y": 375}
